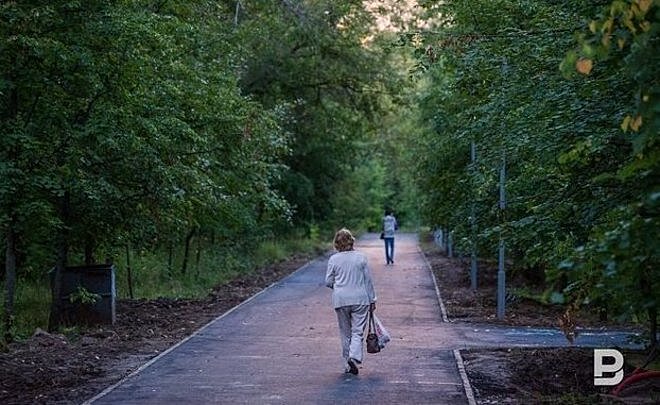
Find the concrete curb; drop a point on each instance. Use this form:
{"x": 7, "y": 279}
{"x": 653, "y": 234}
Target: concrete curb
{"x": 466, "y": 383}
{"x": 197, "y": 332}
{"x": 457, "y": 354}
{"x": 443, "y": 310}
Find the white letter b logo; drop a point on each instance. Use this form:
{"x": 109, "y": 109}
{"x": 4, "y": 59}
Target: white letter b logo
{"x": 600, "y": 368}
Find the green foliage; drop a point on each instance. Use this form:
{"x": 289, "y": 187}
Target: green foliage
{"x": 581, "y": 210}
{"x": 618, "y": 263}
{"x": 158, "y": 125}
{"x": 215, "y": 267}
{"x": 144, "y": 138}
{"x": 312, "y": 61}
{"x": 359, "y": 198}
{"x": 83, "y": 296}
{"x": 125, "y": 123}
{"x": 269, "y": 252}
{"x": 151, "y": 281}
{"x": 31, "y": 308}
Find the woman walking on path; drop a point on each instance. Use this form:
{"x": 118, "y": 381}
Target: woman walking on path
{"x": 389, "y": 226}
{"x": 353, "y": 296}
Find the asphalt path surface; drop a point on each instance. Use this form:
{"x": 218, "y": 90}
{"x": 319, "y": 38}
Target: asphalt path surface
{"x": 282, "y": 345}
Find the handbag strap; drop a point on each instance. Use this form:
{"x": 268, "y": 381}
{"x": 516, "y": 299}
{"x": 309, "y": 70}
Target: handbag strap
{"x": 371, "y": 322}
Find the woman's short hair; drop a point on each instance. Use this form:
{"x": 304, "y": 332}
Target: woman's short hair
{"x": 344, "y": 240}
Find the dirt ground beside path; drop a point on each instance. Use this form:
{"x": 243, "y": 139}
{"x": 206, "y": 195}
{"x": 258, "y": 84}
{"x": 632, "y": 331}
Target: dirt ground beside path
{"x": 537, "y": 376}
{"x": 524, "y": 375}
{"x": 58, "y": 369}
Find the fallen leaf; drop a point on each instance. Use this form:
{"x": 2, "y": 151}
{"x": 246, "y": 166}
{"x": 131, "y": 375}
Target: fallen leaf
{"x": 636, "y": 123}
{"x": 626, "y": 123}
{"x": 584, "y": 65}
{"x": 644, "y": 5}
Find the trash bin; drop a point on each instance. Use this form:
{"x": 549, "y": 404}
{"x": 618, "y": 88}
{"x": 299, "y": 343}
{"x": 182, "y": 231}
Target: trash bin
{"x": 96, "y": 279}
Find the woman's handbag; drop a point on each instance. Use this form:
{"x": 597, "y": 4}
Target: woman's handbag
{"x": 382, "y": 235}
{"x": 372, "y": 339}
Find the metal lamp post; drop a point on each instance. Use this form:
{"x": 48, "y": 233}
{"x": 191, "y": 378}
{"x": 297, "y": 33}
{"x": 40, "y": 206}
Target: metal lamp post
{"x": 501, "y": 274}
{"x": 473, "y": 224}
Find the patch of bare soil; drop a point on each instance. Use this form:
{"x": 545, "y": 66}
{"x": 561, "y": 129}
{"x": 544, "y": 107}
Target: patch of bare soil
{"x": 524, "y": 375}
{"x": 547, "y": 376}
{"x": 57, "y": 369}
{"x": 570, "y": 375}
{"x": 464, "y": 304}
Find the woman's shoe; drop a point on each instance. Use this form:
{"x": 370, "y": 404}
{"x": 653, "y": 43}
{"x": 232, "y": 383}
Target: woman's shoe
{"x": 352, "y": 368}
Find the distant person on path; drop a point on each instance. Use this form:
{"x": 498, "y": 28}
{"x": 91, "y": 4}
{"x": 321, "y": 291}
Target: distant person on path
{"x": 389, "y": 227}
{"x": 353, "y": 296}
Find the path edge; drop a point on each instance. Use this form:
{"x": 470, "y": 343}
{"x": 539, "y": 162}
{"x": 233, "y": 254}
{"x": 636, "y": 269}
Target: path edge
{"x": 109, "y": 389}
{"x": 466, "y": 382}
{"x": 443, "y": 310}
{"x": 467, "y": 387}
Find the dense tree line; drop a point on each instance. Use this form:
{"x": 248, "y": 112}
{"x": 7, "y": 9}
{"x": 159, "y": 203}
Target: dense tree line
{"x": 564, "y": 96}
{"x": 150, "y": 123}
{"x": 146, "y": 125}
{"x": 336, "y": 89}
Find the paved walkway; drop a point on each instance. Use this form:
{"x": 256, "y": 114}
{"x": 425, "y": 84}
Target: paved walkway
{"x": 282, "y": 346}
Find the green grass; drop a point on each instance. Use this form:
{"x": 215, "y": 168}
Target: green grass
{"x": 31, "y": 308}
{"x": 151, "y": 278}
{"x": 270, "y": 252}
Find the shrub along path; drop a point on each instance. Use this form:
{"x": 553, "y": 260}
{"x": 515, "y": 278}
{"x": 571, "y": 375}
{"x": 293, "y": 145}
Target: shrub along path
{"x": 281, "y": 346}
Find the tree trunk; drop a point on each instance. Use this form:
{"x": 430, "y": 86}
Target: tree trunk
{"x": 128, "y": 271}
{"x": 56, "y": 314}
{"x": 170, "y": 259}
{"x": 10, "y": 281}
{"x": 653, "y": 326}
{"x": 198, "y": 256}
{"x": 186, "y": 252}
{"x": 10, "y": 253}
{"x": 647, "y": 289}
{"x": 295, "y": 9}
{"x": 89, "y": 250}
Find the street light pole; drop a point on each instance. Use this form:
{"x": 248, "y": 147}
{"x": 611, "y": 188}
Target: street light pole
{"x": 501, "y": 275}
{"x": 473, "y": 222}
